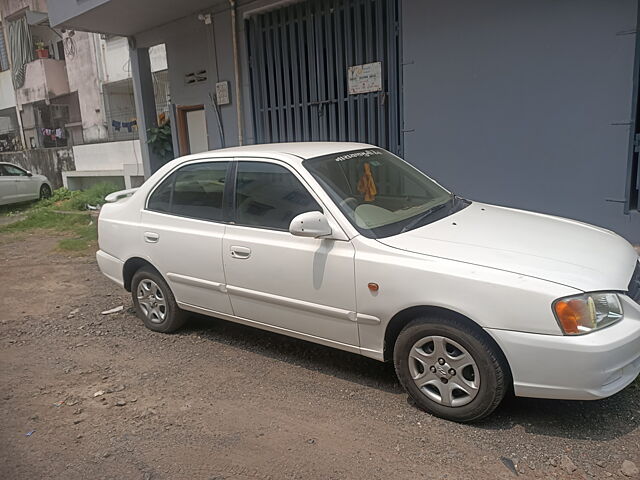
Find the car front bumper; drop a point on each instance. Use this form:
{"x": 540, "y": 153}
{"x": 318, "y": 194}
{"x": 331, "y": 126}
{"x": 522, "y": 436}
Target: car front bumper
{"x": 584, "y": 367}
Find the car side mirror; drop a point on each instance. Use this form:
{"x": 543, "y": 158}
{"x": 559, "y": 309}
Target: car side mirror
{"x": 310, "y": 224}
{"x": 29, "y": 174}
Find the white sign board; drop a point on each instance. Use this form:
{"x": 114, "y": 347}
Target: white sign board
{"x": 222, "y": 93}
{"x": 365, "y": 78}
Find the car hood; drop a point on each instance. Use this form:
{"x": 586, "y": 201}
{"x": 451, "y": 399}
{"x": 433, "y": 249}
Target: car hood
{"x": 550, "y": 248}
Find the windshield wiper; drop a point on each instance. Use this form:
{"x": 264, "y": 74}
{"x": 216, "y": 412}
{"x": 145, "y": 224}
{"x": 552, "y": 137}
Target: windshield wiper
{"x": 419, "y": 219}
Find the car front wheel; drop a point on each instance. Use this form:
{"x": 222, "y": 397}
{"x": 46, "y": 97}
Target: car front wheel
{"x": 45, "y": 191}
{"x": 155, "y": 303}
{"x": 450, "y": 369}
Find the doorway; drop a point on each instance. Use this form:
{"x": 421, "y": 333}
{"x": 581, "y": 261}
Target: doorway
{"x": 192, "y": 129}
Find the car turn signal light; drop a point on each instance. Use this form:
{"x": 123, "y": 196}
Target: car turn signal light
{"x": 588, "y": 312}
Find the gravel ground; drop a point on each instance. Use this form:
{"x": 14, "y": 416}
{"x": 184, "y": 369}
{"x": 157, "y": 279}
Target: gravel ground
{"x": 85, "y": 395}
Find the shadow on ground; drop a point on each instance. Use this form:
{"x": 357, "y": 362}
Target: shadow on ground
{"x": 598, "y": 420}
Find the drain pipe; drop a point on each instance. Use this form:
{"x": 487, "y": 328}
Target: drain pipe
{"x": 236, "y": 68}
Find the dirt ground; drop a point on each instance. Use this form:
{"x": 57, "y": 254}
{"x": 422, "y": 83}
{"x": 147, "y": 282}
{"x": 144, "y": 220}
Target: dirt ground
{"x": 223, "y": 401}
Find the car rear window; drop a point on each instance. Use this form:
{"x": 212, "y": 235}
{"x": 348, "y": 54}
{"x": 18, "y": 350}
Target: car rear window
{"x": 193, "y": 191}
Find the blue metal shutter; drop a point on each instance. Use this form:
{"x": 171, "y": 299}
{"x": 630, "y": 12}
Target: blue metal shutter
{"x": 299, "y": 56}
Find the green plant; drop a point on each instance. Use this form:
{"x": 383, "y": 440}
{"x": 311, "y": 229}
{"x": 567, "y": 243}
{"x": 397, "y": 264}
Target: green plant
{"x": 57, "y": 196}
{"x": 161, "y": 141}
{"x": 93, "y": 195}
{"x": 39, "y": 45}
{"x": 65, "y": 212}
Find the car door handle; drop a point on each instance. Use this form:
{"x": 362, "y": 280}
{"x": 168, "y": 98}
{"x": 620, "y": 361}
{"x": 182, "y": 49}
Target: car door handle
{"x": 151, "y": 237}
{"x": 240, "y": 252}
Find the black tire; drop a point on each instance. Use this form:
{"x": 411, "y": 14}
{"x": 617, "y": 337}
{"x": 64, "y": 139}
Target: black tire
{"x": 494, "y": 375}
{"x": 45, "y": 191}
{"x": 173, "y": 317}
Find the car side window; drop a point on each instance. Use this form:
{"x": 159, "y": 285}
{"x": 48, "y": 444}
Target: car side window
{"x": 193, "y": 191}
{"x": 270, "y": 196}
{"x": 12, "y": 171}
{"x": 160, "y": 200}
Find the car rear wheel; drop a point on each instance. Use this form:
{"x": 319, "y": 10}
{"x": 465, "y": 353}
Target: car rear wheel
{"x": 155, "y": 303}
{"x": 451, "y": 369}
{"x": 45, "y": 191}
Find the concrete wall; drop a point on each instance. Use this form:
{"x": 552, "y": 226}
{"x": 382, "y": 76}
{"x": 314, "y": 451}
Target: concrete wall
{"x": 107, "y": 156}
{"x": 116, "y": 58}
{"x": 523, "y": 103}
{"x": 7, "y": 93}
{"x": 84, "y": 75}
{"x": 9, "y": 7}
{"x": 44, "y": 78}
{"x": 115, "y": 162}
{"x": 50, "y": 162}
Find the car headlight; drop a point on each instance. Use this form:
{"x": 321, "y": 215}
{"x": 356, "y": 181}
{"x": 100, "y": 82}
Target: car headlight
{"x": 588, "y": 312}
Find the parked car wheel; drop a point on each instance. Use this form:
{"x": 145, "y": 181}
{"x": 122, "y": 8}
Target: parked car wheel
{"x": 155, "y": 303}
{"x": 45, "y": 191}
{"x": 450, "y": 369}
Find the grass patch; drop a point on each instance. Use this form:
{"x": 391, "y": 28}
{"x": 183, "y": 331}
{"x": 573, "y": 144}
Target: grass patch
{"x": 77, "y": 222}
{"x": 46, "y": 218}
{"x": 84, "y": 238}
{"x": 68, "y": 200}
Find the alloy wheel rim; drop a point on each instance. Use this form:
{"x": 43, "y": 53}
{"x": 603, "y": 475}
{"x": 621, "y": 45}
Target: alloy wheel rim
{"x": 444, "y": 371}
{"x": 152, "y": 301}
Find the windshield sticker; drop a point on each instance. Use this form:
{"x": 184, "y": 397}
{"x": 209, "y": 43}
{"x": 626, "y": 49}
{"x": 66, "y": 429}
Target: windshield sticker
{"x": 363, "y": 153}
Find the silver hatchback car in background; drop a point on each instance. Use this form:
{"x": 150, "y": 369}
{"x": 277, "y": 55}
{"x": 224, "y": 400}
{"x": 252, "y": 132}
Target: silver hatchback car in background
{"x": 20, "y": 185}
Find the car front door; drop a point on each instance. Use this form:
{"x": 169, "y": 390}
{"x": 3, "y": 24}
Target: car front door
{"x": 8, "y": 189}
{"x": 303, "y": 285}
{"x": 23, "y": 182}
{"x": 182, "y": 231}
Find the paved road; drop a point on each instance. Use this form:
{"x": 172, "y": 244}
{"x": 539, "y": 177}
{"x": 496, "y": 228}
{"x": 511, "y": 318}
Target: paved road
{"x": 106, "y": 398}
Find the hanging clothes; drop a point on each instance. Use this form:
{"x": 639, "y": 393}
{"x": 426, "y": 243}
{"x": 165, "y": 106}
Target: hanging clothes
{"x": 129, "y": 125}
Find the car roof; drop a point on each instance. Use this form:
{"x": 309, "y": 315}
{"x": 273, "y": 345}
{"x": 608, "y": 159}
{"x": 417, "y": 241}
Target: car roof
{"x": 301, "y": 150}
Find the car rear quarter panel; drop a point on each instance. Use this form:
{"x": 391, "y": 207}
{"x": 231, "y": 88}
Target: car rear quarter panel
{"x": 119, "y": 232}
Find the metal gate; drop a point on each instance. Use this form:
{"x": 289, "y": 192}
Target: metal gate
{"x": 299, "y": 56}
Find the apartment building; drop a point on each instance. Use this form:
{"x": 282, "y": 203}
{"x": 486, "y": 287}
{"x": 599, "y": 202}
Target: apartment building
{"x": 67, "y": 105}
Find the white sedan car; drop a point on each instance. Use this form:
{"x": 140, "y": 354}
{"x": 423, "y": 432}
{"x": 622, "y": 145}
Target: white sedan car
{"x": 20, "y": 185}
{"x": 347, "y": 245}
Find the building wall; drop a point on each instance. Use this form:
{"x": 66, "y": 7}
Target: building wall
{"x": 107, "y": 156}
{"x": 524, "y": 104}
{"x": 44, "y": 78}
{"x": 191, "y": 45}
{"x": 84, "y": 77}
{"x": 50, "y": 162}
{"x": 9, "y": 7}
{"x": 116, "y": 59}
{"x": 7, "y": 93}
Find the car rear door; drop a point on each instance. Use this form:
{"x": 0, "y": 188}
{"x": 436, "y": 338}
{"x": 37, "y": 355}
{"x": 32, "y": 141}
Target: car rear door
{"x": 182, "y": 231}
{"x": 26, "y": 188}
{"x": 303, "y": 285}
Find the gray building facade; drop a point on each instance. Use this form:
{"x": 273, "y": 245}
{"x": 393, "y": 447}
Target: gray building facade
{"x": 528, "y": 103}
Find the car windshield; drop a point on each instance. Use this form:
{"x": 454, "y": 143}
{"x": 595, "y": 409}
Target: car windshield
{"x": 381, "y": 194}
